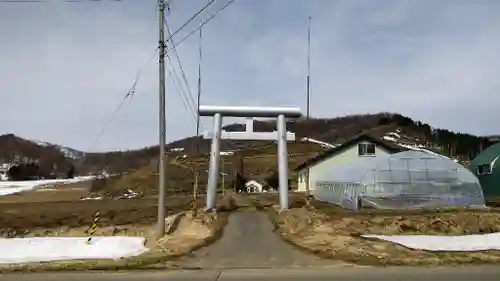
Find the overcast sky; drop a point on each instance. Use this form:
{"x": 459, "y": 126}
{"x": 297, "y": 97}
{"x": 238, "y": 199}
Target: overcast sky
{"x": 64, "y": 67}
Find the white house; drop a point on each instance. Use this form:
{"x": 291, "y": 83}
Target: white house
{"x": 4, "y": 168}
{"x": 253, "y": 186}
{"x": 358, "y": 148}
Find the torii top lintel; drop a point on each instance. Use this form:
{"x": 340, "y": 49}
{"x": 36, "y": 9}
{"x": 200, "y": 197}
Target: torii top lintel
{"x": 249, "y": 111}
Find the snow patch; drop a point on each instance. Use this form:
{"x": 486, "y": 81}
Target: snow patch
{"x": 394, "y": 135}
{"x": 128, "y": 194}
{"x": 464, "y": 243}
{"x": 11, "y": 187}
{"x": 68, "y": 152}
{"x": 389, "y": 138}
{"x": 92, "y": 197}
{"x": 44, "y": 249}
{"x": 322, "y": 143}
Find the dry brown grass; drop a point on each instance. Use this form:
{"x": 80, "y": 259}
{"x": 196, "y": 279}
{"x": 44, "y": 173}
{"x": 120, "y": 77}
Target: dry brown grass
{"x": 194, "y": 230}
{"x": 25, "y": 216}
{"x": 338, "y": 237}
{"x": 332, "y": 232}
{"x": 255, "y": 163}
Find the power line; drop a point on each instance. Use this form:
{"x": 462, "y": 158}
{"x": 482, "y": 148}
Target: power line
{"x": 179, "y": 88}
{"x": 183, "y": 74}
{"x": 190, "y": 19}
{"x": 180, "y": 91}
{"x": 188, "y": 102}
{"x": 128, "y": 96}
{"x": 130, "y": 93}
{"x": 203, "y": 23}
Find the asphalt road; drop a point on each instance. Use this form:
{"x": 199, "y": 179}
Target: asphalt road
{"x": 483, "y": 273}
{"x": 249, "y": 242}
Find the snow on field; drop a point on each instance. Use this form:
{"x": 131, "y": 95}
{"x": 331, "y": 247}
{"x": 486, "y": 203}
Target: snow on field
{"x": 11, "y": 187}
{"x": 43, "y": 249}
{"x": 395, "y": 137}
{"x": 322, "y": 143}
{"x": 464, "y": 243}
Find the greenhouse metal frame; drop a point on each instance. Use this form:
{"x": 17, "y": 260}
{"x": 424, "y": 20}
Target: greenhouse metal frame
{"x": 405, "y": 180}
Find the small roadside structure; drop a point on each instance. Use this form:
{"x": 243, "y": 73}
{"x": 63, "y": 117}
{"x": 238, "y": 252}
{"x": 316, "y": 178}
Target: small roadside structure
{"x": 253, "y": 186}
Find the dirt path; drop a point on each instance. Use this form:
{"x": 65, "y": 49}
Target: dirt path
{"x": 249, "y": 242}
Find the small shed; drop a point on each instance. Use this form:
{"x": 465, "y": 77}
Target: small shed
{"x": 486, "y": 166}
{"x": 253, "y": 186}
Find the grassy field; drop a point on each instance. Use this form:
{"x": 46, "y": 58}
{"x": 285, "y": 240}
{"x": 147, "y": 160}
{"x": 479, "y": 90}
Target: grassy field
{"x": 21, "y": 217}
{"x": 323, "y": 229}
{"x": 335, "y": 233}
{"x": 129, "y": 217}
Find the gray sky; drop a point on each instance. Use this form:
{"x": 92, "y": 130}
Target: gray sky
{"x": 64, "y": 67}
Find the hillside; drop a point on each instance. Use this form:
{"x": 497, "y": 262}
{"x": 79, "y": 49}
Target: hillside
{"x": 332, "y": 131}
{"x": 50, "y": 158}
{"x": 257, "y": 159}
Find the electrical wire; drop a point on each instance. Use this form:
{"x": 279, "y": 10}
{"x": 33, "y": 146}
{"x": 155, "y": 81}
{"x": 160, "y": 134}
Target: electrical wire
{"x": 128, "y": 96}
{"x": 174, "y": 45}
{"x": 130, "y": 93}
{"x": 191, "y": 99}
{"x": 180, "y": 89}
{"x": 202, "y": 24}
{"x": 189, "y": 96}
{"x": 190, "y": 19}
{"x": 176, "y": 82}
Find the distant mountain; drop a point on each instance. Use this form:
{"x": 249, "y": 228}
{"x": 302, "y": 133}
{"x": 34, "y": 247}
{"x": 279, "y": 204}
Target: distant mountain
{"x": 320, "y": 133}
{"x": 256, "y": 160}
{"x": 14, "y": 149}
{"x": 67, "y": 151}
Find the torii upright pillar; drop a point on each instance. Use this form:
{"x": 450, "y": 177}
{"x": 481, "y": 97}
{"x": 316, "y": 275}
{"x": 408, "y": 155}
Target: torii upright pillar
{"x": 281, "y": 136}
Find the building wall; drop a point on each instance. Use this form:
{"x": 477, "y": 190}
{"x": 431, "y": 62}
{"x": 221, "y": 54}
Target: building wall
{"x": 489, "y": 183}
{"x": 345, "y": 156}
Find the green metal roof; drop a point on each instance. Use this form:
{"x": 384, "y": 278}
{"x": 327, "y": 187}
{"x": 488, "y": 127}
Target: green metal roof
{"x": 487, "y": 156}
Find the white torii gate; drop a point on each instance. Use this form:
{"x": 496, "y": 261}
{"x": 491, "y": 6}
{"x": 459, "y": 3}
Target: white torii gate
{"x": 282, "y": 136}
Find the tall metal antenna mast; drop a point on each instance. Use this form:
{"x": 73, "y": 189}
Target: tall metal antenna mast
{"x": 308, "y": 95}
{"x": 308, "y": 67}
{"x": 198, "y": 98}
{"x": 199, "y": 89}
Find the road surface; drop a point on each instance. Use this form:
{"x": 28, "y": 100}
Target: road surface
{"x": 249, "y": 242}
{"x": 483, "y": 273}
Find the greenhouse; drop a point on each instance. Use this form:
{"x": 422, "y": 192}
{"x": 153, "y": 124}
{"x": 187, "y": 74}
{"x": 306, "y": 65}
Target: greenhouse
{"x": 404, "y": 180}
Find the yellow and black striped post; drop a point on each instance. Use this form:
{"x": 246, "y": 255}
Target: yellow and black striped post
{"x": 93, "y": 228}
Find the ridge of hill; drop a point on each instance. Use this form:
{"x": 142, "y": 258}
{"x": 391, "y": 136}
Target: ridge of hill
{"x": 16, "y": 150}
{"x": 257, "y": 159}
{"x": 326, "y": 131}
{"x": 313, "y": 136}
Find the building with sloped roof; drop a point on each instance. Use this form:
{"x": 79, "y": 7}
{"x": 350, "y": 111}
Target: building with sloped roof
{"x": 486, "y": 166}
{"x": 363, "y": 146}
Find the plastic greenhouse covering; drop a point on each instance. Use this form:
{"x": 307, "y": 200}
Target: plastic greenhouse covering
{"x": 405, "y": 180}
